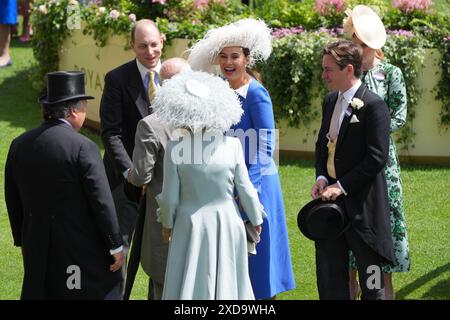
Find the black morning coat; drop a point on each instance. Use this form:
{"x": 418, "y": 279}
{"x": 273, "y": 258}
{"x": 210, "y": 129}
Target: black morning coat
{"x": 61, "y": 213}
{"x": 124, "y": 102}
{"x": 361, "y": 154}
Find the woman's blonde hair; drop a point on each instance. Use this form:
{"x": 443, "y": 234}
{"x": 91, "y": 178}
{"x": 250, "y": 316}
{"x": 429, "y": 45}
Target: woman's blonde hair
{"x": 379, "y": 54}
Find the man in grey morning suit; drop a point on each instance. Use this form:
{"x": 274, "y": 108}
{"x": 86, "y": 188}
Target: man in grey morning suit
{"x": 147, "y": 170}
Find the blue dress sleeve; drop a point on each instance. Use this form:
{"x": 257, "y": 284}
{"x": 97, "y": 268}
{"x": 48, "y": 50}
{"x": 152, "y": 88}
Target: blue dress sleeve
{"x": 261, "y": 114}
{"x": 248, "y": 195}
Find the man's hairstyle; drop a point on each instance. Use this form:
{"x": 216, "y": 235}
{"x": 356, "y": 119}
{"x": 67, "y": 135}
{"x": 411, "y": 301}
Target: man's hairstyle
{"x": 252, "y": 72}
{"x": 344, "y": 53}
{"x": 60, "y": 110}
{"x": 142, "y": 21}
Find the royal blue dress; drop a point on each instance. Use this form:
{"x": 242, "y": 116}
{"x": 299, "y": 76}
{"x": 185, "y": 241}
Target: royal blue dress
{"x": 270, "y": 269}
{"x": 8, "y": 12}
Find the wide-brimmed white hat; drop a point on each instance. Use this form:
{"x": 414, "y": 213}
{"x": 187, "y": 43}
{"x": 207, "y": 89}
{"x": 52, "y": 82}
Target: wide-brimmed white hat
{"x": 248, "y": 33}
{"x": 197, "y": 100}
{"x": 367, "y": 25}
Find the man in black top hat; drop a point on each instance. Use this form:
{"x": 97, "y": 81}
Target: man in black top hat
{"x": 59, "y": 203}
{"x": 351, "y": 152}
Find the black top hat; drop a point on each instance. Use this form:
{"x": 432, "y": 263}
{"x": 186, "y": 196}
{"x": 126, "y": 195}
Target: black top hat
{"x": 64, "y": 86}
{"x": 319, "y": 220}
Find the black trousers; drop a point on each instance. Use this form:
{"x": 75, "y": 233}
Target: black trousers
{"x": 155, "y": 290}
{"x": 127, "y": 215}
{"x": 115, "y": 293}
{"x": 332, "y": 268}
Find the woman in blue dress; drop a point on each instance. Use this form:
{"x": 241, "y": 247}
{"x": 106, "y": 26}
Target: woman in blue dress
{"x": 234, "y": 48}
{"x": 8, "y": 17}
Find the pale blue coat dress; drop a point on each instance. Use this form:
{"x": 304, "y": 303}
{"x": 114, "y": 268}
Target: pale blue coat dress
{"x": 208, "y": 256}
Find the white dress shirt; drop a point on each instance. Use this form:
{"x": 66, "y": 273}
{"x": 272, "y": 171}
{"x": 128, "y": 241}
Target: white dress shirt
{"x": 347, "y": 97}
{"x": 143, "y": 71}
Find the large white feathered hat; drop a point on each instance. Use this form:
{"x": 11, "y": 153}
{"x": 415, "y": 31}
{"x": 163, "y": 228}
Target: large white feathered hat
{"x": 367, "y": 25}
{"x": 247, "y": 33}
{"x": 197, "y": 100}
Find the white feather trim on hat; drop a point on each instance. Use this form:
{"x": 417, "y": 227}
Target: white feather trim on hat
{"x": 198, "y": 100}
{"x": 247, "y": 33}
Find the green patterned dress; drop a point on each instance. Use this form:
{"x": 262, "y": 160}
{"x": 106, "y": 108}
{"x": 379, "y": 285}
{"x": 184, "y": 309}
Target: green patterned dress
{"x": 387, "y": 81}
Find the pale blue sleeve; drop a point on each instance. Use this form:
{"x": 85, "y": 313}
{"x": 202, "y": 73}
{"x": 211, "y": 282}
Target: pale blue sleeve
{"x": 248, "y": 195}
{"x": 169, "y": 197}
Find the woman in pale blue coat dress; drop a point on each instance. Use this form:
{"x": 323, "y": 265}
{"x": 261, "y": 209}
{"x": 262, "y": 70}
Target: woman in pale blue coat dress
{"x": 208, "y": 246}
{"x": 234, "y": 47}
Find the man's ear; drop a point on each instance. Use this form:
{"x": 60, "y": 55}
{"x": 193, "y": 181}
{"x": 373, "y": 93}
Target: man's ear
{"x": 72, "y": 112}
{"x": 350, "y": 69}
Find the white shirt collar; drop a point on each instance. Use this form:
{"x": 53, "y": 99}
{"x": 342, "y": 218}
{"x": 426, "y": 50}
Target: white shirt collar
{"x": 65, "y": 120}
{"x": 143, "y": 70}
{"x": 348, "y": 95}
{"x": 242, "y": 91}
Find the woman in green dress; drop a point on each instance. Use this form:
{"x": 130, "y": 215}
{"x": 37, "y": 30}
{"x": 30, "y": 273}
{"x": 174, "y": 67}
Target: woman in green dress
{"x": 367, "y": 30}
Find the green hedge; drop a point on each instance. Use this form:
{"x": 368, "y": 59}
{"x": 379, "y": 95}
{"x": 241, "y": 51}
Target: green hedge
{"x": 292, "y": 74}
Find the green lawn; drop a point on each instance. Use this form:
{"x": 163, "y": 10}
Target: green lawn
{"x": 427, "y": 202}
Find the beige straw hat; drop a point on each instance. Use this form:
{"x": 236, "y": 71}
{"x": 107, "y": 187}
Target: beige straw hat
{"x": 367, "y": 25}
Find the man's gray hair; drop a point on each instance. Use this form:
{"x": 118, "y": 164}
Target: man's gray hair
{"x": 60, "y": 110}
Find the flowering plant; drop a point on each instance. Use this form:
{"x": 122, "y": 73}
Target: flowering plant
{"x": 331, "y": 12}
{"x": 50, "y": 24}
{"x": 329, "y": 7}
{"x": 54, "y": 20}
{"x": 300, "y": 31}
{"x": 408, "y": 6}
{"x": 103, "y": 22}
{"x": 192, "y": 18}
